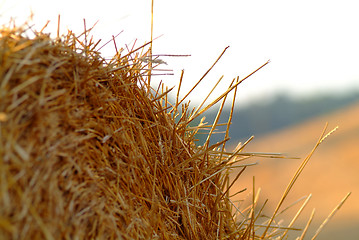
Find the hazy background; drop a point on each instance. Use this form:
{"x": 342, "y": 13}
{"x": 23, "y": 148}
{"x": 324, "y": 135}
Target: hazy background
{"x": 313, "y": 77}
{"x": 313, "y": 45}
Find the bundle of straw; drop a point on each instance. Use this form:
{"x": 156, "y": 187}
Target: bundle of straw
{"x": 88, "y": 150}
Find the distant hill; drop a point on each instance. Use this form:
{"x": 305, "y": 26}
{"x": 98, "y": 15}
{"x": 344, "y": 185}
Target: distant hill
{"x": 262, "y": 118}
{"x": 331, "y": 173}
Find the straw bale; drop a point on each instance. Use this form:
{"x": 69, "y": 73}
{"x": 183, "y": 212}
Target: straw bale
{"x": 87, "y": 151}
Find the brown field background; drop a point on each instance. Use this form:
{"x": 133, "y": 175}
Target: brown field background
{"x": 332, "y": 172}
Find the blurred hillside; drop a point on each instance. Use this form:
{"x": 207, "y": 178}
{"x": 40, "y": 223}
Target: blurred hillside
{"x": 264, "y": 117}
{"x": 331, "y": 173}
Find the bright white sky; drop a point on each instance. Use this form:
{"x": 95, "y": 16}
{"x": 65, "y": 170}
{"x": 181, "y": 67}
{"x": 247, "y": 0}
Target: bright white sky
{"x": 313, "y": 45}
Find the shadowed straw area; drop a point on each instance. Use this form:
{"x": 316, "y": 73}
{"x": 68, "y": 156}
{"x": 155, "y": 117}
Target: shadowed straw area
{"x": 87, "y": 151}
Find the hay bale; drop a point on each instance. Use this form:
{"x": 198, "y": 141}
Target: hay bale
{"x": 88, "y": 152}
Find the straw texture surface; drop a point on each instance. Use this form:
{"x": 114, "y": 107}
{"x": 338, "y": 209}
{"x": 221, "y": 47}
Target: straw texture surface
{"x": 87, "y": 150}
